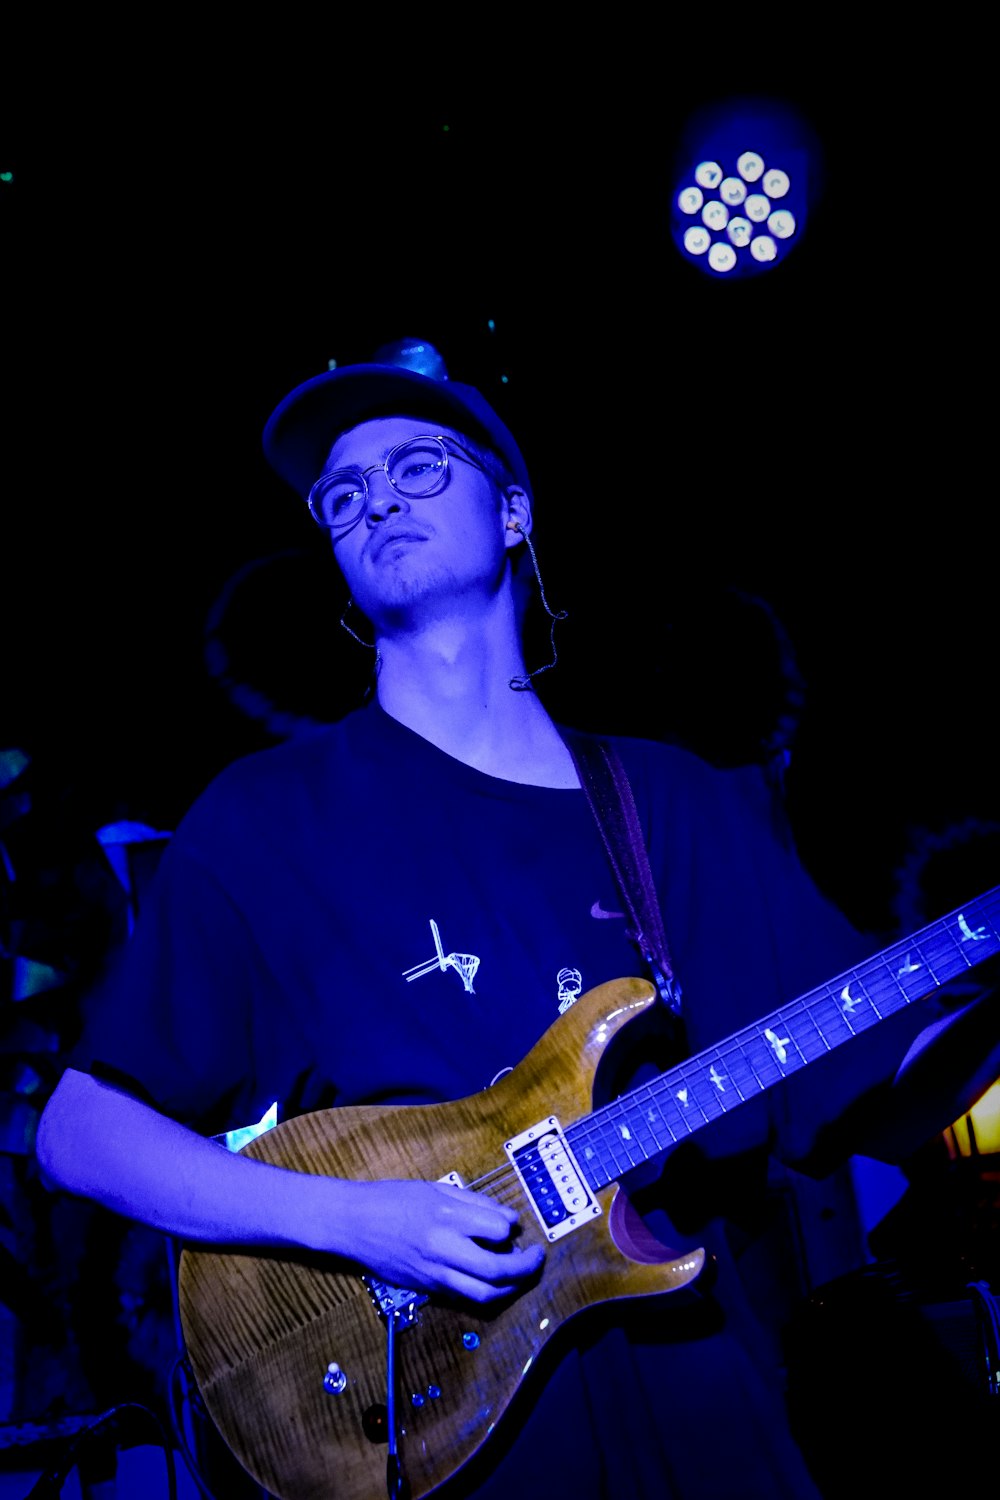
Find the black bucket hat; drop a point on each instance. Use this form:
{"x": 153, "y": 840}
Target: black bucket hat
{"x": 302, "y": 428}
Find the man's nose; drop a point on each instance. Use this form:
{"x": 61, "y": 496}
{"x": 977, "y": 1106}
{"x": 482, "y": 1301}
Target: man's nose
{"x": 383, "y": 499}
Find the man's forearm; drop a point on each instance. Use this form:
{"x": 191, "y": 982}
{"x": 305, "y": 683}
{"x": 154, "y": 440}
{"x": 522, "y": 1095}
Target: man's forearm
{"x": 949, "y": 1066}
{"x": 97, "y": 1142}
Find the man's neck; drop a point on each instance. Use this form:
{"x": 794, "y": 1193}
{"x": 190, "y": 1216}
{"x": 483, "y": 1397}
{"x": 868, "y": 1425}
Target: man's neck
{"x": 456, "y": 693}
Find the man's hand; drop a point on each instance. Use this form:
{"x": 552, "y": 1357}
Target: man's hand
{"x": 100, "y": 1143}
{"x": 433, "y": 1237}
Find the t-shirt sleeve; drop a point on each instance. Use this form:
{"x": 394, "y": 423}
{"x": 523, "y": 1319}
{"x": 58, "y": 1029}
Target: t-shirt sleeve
{"x": 173, "y": 1018}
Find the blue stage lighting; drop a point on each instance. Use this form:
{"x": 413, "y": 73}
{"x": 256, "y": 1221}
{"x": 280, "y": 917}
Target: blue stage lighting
{"x": 748, "y": 172}
{"x": 413, "y": 354}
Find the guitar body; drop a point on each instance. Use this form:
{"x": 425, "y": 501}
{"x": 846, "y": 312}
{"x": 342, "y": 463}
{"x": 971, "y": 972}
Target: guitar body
{"x": 291, "y": 1352}
{"x": 262, "y": 1329}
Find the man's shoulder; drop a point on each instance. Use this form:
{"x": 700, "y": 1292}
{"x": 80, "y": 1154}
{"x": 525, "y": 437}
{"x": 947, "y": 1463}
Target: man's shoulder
{"x": 658, "y": 757}
{"x": 666, "y": 774}
{"x": 270, "y": 778}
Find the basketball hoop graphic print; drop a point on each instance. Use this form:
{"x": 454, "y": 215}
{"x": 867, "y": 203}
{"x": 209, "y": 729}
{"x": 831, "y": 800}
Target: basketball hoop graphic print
{"x": 464, "y": 964}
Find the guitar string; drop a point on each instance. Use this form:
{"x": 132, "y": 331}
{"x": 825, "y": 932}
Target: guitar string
{"x": 879, "y": 986}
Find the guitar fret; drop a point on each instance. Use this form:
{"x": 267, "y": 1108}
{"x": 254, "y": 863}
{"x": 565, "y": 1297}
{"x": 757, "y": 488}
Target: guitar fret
{"x": 846, "y": 1010}
{"x": 715, "y": 1087}
{"x": 626, "y": 1134}
{"x": 622, "y": 1146}
{"x": 602, "y": 1152}
{"x": 812, "y": 1038}
{"x": 752, "y": 1083}
{"x": 639, "y": 1126}
{"x": 670, "y": 1110}
{"x": 736, "y": 1075}
{"x": 766, "y": 1047}
{"x": 834, "y": 1022}
{"x": 693, "y": 1093}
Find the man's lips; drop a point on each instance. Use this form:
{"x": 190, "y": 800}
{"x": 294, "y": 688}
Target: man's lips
{"x": 382, "y": 539}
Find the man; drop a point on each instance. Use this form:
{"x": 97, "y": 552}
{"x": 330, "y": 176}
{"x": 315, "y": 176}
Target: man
{"x": 394, "y": 909}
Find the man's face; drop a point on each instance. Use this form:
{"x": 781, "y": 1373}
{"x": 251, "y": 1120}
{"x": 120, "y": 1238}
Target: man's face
{"x": 409, "y": 554}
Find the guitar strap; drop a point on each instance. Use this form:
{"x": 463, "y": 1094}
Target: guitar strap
{"x": 609, "y": 793}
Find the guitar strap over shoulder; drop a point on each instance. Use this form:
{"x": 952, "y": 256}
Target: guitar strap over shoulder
{"x": 609, "y": 793}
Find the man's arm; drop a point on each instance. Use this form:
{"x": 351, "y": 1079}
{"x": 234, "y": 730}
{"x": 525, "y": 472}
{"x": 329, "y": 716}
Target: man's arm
{"x": 101, "y": 1143}
{"x": 946, "y": 1068}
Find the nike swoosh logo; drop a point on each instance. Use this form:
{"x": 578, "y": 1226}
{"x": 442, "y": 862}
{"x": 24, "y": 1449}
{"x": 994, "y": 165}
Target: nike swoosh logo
{"x": 597, "y": 910}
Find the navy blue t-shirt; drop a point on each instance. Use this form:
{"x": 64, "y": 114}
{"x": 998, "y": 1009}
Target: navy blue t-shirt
{"x": 356, "y": 917}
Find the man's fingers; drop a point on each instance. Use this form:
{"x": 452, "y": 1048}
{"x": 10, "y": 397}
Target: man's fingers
{"x": 501, "y": 1268}
{"x": 502, "y": 1278}
{"x": 481, "y": 1218}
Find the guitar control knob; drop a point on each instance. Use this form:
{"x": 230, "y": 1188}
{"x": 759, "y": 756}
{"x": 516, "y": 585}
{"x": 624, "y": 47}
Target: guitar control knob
{"x": 334, "y": 1381}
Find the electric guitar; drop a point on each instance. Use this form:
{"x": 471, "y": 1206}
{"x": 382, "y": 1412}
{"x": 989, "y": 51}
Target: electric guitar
{"x": 323, "y": 1380}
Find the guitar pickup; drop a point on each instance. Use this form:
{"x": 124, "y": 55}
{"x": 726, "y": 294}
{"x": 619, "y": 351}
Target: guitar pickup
{"x": 553, "y": 1182}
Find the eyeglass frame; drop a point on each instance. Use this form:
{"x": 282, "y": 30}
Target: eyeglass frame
{"x": 362, "y": 475}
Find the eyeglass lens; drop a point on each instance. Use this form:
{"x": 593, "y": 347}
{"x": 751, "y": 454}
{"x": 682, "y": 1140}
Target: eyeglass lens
{"x": 417, "y": 467}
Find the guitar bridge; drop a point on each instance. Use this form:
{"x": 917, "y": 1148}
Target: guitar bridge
{"x": 551, "y": 1178}
{"x": 393, "y": 1301}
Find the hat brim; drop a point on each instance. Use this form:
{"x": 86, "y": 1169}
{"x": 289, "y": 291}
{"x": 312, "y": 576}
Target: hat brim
{"x": 302, "y": 428}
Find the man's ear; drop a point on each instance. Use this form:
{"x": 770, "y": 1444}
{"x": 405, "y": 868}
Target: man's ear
{"x": 516, "y": 515}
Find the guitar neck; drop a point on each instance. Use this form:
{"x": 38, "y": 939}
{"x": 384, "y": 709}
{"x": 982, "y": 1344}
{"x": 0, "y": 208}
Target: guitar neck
{"x": 656, "y": 1116}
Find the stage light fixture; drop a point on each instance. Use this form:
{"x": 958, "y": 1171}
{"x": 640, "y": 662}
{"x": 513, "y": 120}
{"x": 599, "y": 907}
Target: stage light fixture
{"x": 978, "y": 1132}
{"x": 748, "y": 170}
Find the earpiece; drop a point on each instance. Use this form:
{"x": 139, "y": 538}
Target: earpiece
{"x": 513, "y": 526}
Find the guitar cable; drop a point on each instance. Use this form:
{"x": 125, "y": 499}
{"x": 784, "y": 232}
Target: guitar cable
{"x": 987, "y": 1310}
{"x": 396, "y": 1484}
{"x": 49, "y": 1484}
{"x": 183, "y": 1391}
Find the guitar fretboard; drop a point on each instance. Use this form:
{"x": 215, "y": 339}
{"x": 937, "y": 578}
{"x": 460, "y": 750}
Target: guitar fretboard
{"x": 654, "y": 1117}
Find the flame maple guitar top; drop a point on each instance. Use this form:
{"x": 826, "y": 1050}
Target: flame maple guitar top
{"x": 262, "y": 1328}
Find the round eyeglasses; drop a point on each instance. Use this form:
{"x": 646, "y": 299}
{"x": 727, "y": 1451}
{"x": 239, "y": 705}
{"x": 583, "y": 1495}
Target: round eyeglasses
{"x": 418, "y": 467}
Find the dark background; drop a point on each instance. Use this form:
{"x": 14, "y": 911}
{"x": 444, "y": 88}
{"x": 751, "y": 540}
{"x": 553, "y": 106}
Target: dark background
{"x": 768, "y": 506}
{"x": 198, "y": 223}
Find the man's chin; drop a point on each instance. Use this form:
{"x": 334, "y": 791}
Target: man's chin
{"x": 403, "y": 587}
